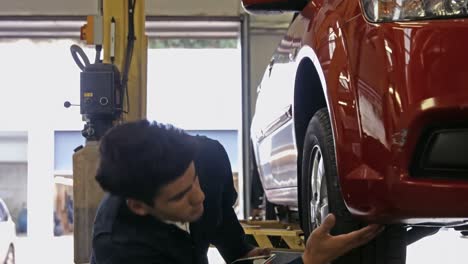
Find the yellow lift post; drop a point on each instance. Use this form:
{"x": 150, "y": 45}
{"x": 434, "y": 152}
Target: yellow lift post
{"x": 114, "y": 25}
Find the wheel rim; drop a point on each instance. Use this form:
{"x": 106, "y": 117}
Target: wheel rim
{"x": 319, "y": 194}
{"x": 10, "y": 259}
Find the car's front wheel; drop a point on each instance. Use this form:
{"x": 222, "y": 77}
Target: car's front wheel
{"x": 321, "y": 195}
{"x": 10, "y": 257}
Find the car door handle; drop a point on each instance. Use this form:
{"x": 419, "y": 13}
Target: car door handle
{"x": 278, "y": 122}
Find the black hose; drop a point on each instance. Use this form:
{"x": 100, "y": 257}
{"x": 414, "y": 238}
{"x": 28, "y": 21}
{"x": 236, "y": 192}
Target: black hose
{"x": 77, "y": 50}
{"x": 97, "y": 59}
{"x": 130, "y": 45}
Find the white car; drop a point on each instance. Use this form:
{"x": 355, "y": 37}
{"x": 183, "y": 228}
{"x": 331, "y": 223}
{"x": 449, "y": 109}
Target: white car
{"x": 7, "y": 235}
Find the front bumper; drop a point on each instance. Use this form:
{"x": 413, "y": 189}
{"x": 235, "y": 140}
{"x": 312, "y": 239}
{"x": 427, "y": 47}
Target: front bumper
{"x": 413, "y": 109}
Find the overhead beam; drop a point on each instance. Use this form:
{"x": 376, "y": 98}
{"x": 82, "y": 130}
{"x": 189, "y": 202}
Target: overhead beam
{"x": 89, "y": 7}
{"x": 48, "y": 7}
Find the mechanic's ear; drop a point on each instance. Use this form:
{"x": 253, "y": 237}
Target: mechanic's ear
{"x": 137, "y": 207}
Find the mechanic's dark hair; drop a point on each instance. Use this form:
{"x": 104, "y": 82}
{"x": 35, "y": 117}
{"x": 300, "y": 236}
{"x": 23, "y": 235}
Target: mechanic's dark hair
{"x": 138, "y": 158}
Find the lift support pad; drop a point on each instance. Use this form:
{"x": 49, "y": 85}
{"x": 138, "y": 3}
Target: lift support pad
{"x": 275, "y": 235}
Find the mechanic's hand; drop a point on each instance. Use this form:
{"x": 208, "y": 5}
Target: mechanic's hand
{"x": 322, "y": 248}
{"x": 258, "y": 252}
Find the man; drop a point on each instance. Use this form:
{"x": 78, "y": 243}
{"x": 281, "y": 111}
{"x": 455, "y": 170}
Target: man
{"x": 171, "y": 196}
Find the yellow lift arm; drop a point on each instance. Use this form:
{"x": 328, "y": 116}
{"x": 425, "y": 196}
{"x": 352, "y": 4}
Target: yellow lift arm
{"x": 110, "y": 29}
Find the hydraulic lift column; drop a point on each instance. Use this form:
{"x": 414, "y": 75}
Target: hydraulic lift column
{"x": 116, "y": 26}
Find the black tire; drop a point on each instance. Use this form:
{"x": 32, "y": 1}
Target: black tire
{"x": 388, "y": 248}
{"x": 270, "y": 210}
{"x": 10, "y": 257}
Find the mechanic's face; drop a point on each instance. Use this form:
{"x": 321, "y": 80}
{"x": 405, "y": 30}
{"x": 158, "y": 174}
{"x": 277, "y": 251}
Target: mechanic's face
{"x": 181, "y": 200}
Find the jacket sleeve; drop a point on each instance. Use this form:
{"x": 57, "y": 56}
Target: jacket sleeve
{"x": 105, "y": 251}
{"x": 229, "y": 237}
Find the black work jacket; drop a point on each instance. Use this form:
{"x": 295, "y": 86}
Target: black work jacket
{"x": 120, "y": 236}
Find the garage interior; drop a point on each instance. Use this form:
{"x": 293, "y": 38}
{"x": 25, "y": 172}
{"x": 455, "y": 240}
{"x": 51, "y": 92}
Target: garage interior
{"x": 212, "y": 52}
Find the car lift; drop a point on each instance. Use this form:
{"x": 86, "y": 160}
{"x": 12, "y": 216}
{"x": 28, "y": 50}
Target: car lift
{"x": 274, "y": 234}
{"x": 285, "y": 240}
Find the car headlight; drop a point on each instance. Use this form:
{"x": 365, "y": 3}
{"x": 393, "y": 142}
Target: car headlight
{"x": 404, "y": 10}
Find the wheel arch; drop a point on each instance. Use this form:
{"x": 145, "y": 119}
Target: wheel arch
{"x": 309, "y": 97}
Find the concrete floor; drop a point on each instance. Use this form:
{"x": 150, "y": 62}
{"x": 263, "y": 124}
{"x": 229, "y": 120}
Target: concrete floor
{"x": 445, "y": 247}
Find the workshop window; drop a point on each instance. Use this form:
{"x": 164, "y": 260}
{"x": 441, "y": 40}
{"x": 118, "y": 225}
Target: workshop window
{"x": 195, "y": 84}
{"x": 39, "y": 75}
{"x": 65, "y": 144}
{"x": 14, "y": 176}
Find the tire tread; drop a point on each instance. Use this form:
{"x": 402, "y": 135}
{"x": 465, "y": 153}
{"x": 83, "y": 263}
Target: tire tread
{"x": 390, "y": 246}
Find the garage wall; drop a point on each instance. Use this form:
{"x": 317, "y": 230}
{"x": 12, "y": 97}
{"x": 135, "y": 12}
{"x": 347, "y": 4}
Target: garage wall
{"x": 193, "y": 8}
{"x": 262, "y": 47}
{"x": 271, "y": 22}
{"x": 48, "y": 7}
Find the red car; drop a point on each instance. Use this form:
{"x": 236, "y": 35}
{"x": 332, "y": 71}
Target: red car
{"x": 363, "y": 112}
